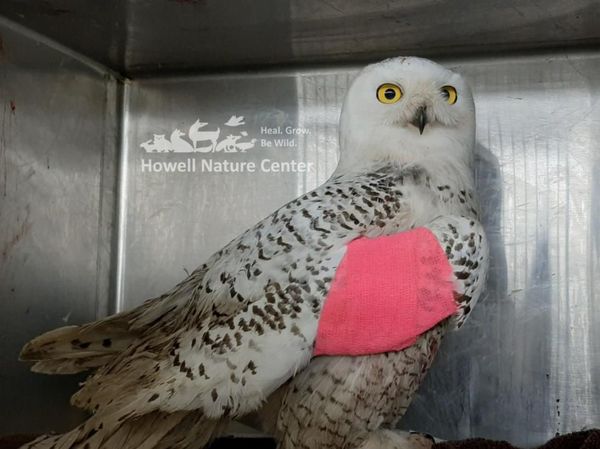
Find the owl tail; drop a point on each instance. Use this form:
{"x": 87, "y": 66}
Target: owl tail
{"x": 157, "y": 430}
{"x": 73, "y": 349}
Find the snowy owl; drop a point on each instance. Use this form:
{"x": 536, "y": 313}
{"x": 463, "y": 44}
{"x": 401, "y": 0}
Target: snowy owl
{"x": 236, "y": 339}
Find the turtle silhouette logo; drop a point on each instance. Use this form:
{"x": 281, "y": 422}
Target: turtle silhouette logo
{"x": 201, "y": 138}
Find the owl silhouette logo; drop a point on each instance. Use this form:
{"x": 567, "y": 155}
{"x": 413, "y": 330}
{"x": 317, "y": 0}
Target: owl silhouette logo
{"x": 202, "y": 138}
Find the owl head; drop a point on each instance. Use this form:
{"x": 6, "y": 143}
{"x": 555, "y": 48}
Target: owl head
{"x": 410, "y": 110}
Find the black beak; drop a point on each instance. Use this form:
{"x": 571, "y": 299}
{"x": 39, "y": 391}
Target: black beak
{"x": 420, "y": 119}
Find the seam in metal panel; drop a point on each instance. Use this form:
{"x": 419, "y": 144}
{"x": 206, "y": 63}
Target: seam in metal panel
{"x": 108, "y": 198}
{"x": 121, "y": 206}
{"x": 263, "y": 72}
{"x": 54, "y": 45}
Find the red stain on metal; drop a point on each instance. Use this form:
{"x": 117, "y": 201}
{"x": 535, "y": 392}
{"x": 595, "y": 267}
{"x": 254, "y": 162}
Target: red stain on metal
{"x": 13, "y": 106}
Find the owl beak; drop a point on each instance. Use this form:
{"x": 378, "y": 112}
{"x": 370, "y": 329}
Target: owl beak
{"x": 420, "y": 118}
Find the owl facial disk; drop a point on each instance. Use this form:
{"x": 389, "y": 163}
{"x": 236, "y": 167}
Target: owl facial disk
{"x": 415, "y": 104}
{"x": 407, "y": 109}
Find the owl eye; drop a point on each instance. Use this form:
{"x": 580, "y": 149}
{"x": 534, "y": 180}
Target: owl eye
{"x": 449, "y": 93}
{"x": 389, "y": 93}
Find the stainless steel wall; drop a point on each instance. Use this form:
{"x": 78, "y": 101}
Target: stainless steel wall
{"x": 138, "y": 36}
{"x": 526, "y": 366}
{"x": 57, "y": 181}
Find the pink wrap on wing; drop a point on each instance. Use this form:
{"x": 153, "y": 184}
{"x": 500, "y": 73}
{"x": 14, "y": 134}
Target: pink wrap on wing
{"x": 385, "y": 293}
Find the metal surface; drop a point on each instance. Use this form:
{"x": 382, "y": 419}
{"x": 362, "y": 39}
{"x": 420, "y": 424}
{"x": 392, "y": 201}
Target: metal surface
{"x": 136, "y": 36}
{"x": 528, "y": 363}
{"x": 526, "y": 366}
{"x": 175, "y": 220}
{"x": 57, "y": 146}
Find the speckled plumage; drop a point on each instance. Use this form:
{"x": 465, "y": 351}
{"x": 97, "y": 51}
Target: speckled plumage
{"x": 240, "y": 329}
{"x": 336, "y": 401}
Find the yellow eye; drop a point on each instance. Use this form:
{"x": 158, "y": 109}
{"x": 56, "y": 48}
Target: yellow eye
{"x": 389, "y": 93}
{"x": 450, "y": 94}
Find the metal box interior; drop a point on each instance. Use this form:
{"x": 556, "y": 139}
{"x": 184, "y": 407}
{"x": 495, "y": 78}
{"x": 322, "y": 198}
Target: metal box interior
{"x": 86, "y": 230}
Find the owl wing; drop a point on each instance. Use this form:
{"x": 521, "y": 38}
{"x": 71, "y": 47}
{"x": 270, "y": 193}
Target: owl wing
{"x": 245, "y": 322}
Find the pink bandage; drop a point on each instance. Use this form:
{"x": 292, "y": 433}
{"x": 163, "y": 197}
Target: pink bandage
{"x": 386, "y": 292}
